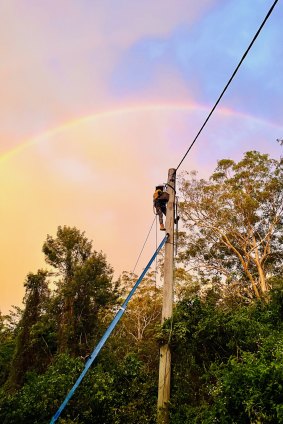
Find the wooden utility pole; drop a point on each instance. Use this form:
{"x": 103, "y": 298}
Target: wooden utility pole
{"x": 167, "y": 309}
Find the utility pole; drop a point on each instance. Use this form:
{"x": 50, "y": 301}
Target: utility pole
{"x": 167, "y": 309}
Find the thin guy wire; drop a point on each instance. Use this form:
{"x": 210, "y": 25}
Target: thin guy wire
{"x": 155, "y": 249}
{"x": 228, "y": 83}
{"x": 143, "y": 246}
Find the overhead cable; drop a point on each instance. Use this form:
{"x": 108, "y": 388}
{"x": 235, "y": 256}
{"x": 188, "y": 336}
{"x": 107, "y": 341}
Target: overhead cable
{"x": 228, "y": 83}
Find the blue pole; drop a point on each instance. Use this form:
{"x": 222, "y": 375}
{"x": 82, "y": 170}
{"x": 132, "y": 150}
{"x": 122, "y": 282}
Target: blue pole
{"x": 106, "y": 334}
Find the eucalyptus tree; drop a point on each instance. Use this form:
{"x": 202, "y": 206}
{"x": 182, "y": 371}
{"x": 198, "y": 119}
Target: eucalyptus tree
{"x": 234, "y": 222}
{"x": 136, "y": 331}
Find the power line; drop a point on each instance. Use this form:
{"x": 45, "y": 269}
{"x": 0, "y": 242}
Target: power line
{"x": 228, "y": 83}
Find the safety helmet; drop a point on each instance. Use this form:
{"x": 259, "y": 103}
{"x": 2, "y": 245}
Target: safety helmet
{"x": 159, "y": 186}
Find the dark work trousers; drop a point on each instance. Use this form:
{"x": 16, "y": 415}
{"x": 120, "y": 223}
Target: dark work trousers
{"x": 160, "y": 208}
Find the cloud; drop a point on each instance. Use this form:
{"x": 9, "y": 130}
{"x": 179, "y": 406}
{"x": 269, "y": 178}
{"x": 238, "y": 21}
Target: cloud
{"x": 203, "y": 55}
{"x": 56, "y": 57}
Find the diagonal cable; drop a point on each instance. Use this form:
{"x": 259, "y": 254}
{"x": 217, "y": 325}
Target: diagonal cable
{"x": 228, "y": 83}
{"x": 137, "y": 261}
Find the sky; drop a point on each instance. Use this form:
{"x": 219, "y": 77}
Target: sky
{"x": 99, "y": 99}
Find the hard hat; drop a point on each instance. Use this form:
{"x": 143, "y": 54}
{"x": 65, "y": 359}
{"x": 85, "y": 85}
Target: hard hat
{"x": 159, "y": 186}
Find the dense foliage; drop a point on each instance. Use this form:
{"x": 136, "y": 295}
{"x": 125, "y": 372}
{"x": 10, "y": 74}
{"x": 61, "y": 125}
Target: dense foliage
{"x": 228, "y": 364}
{"x": 226, "y": 344}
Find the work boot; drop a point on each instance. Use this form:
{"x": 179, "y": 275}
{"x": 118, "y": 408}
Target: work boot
{"x": 176, "y": 220}
{"x": 162, "y": 228}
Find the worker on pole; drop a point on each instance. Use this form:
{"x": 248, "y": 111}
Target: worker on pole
{"x": 160, "y": 199}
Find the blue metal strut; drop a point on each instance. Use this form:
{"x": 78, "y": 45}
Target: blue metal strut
{"x": 107, "y": 334}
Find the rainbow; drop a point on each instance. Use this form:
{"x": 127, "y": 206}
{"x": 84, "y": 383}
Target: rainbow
{"x": 31, "y": 141}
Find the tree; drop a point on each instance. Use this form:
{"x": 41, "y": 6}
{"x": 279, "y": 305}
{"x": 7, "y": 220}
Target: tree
{"x": 92, "y": 293}
{"x": 226, "y": 363}
{"x": 136, "y": 331}
{"x": 67, "y": 251}
{"x": 144, "y": 310}
{"x": 31, "y": 352}
{"x": 7, "y": 345}
{"x": 234, "y": 222}
{"x": 84, "y": 287}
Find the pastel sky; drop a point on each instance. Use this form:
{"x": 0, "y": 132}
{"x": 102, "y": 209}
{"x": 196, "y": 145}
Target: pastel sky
{"x": 98, "y": 99}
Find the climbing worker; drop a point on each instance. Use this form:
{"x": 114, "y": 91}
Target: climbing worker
{"x": 160, "y": 199}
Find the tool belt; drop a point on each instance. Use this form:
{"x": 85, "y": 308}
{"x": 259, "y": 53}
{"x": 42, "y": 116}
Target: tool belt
{"x": 164, "y": 197}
